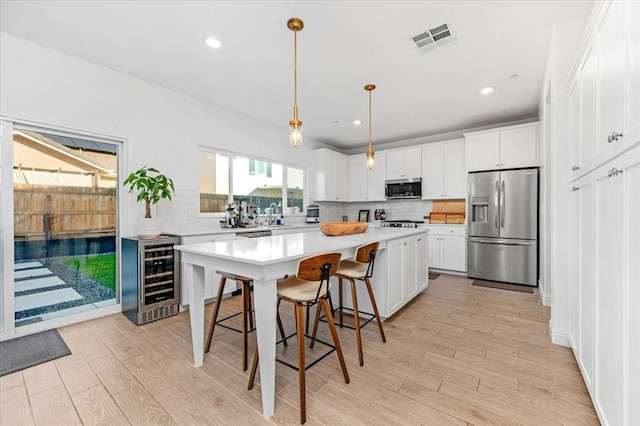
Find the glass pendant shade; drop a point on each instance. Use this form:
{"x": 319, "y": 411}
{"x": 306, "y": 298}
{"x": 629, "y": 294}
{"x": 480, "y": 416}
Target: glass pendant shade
{"x": 295, "y": 133}
{"x": 371, "y": 159}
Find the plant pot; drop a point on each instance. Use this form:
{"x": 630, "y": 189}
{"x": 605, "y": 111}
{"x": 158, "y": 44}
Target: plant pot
{"x": 148, "y": 227}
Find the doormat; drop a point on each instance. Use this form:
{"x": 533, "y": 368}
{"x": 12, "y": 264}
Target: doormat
{"x": 25, "y": 352}
{"x": 503, "y": 286}
{"x": 433, "y": 275}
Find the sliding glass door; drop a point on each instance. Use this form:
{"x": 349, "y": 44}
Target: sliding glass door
{"x": 60, "y": 252}
{"x": 64, "y": 225}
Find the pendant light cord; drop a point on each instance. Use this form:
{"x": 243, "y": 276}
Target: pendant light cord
{"x": 295, "y": 75}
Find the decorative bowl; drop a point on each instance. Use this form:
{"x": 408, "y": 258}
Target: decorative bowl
{"x": 343, "y": 228}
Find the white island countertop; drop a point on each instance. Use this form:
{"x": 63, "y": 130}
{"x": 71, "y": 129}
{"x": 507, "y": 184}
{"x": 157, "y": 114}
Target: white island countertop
{"x": 276, "y": 248}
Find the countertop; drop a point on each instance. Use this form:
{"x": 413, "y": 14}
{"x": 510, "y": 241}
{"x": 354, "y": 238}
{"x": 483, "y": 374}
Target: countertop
{"x": 268, "y": 250}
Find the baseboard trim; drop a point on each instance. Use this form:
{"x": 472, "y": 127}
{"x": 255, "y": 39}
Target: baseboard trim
{"x": 545, "y": 298}
{"x": 559, "y": 337}
{"x": 447, "y": 271}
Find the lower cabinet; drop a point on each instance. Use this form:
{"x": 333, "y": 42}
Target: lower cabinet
{"x": 604, "y": 271}
{"x": 406, "y": 273}
{"x": 447, "y": 248}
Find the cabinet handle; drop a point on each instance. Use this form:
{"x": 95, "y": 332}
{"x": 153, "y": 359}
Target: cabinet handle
{"x": 498, "y": 165}
{"x": 575, "y": 188}
{"x": 574, "y": 168}
{"x": 614, "y": 172}
{"x": 614, "y": 137}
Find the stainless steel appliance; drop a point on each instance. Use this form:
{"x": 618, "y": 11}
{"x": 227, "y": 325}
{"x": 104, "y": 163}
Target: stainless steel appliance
{"x": 313, "y": 213}
{"x": 503, "y": 226}
{"x": 403, "y": 188}
{"x": 401, "y": 223}
{"x": 150, "y": 278}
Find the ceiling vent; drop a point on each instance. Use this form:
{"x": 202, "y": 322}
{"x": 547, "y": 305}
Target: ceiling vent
{"x": 434, "y": 37}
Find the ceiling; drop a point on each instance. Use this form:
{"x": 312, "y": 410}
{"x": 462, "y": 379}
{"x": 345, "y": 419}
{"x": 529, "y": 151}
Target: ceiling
{"x": 343, "y": 46}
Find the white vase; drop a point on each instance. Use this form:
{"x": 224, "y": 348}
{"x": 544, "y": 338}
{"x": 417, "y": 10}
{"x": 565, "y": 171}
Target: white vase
{"x": 149, "y": 227}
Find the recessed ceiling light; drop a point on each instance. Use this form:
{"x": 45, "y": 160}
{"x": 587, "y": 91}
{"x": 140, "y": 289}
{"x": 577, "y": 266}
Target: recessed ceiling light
{"x": 213, "y": 43}
{"x": 357, "y": 122}
{"x": 513, "y": 76}
{"x": 487, "y": 90}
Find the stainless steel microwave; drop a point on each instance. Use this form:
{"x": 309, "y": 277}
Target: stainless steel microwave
{"x": 403, "y": 188}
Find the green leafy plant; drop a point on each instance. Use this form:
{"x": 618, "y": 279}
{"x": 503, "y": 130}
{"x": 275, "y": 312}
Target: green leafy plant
{"x": 152, "y": 186}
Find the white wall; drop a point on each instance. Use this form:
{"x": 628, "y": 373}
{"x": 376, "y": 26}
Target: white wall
{"x": 554, "y": 109}
{"x": 161, "y": 128}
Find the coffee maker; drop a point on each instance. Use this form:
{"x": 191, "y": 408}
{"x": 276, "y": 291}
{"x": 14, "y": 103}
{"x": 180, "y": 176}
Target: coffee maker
{"x": 230, "y": 217}
{"x": 313, "y": 213}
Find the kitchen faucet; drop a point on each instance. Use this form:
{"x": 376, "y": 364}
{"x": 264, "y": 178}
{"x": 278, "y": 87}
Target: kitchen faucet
{"x": 272, "y": 213}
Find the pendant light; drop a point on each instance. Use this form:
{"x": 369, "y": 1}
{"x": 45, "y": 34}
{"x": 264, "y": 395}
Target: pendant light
{"x": 371, "y": 156}
{"x": 295, "y": 125}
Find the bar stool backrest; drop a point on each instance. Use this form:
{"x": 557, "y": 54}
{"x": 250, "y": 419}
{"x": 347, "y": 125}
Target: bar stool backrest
{"x": 367, "y": 254}
{"x": 319, "y": 268}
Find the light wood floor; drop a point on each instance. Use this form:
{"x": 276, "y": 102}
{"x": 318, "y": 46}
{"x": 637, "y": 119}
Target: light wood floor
{"x": 456, "y": 355}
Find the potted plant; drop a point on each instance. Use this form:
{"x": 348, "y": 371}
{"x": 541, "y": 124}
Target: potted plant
{"x": 152, "y": 186}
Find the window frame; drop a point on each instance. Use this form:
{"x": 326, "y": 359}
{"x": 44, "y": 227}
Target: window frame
{"x": 231, "y": 156}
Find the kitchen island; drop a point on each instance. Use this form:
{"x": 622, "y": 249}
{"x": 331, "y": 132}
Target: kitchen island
{"x": 400, "y": 274}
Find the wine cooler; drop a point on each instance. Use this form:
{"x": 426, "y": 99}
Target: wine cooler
{"x": 150, "y": 278}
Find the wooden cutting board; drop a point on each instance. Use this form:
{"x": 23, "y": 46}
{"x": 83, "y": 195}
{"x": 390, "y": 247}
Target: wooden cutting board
{"x": 449, "y": 206}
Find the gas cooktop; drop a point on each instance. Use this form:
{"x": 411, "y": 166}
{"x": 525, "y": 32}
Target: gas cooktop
{"x": 401, "y": 223}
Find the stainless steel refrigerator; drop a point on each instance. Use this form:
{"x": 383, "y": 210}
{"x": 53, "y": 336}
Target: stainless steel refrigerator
{"x": 502, "y": 225}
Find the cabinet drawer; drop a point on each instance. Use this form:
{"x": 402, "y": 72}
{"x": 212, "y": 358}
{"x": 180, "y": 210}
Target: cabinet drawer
{"x": 446, "y": 230}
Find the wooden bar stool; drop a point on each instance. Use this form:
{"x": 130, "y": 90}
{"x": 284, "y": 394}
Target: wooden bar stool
{"x": 360, "y": 269}
{"x": 246, "y": 312}
{"x": 310, "y": 284}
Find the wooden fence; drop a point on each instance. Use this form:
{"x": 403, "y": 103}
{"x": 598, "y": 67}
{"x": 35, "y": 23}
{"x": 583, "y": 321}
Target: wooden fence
{"x": 43, "y": 212}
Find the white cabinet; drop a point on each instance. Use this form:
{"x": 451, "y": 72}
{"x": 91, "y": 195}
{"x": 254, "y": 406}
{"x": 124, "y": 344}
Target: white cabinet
{"x": 406, "y": 260}
{"x": 605, "y": 207}
{"x": 504, "y": 148}
{"x": 603, "y": 289}
{"x": 403, "y": 163}
{"x": 447, "y": 248}
{"x": 581, "y": 275}
{"x": 611, "y": 60}
{"x": 365, "y": 184}
{"x": 443, "y": 171}
{"x": 631, "y": 289}
{"x": 609, "y": 297}
{"x": 329, "y": 177}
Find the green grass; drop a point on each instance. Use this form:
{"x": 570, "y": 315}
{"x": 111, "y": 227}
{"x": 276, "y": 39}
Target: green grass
{"x": 100, "y": 267}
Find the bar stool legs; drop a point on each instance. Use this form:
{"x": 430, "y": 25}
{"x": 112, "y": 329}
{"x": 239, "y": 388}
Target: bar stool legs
{"x": 375, "y": 309}
{"x": 300, "y": 328}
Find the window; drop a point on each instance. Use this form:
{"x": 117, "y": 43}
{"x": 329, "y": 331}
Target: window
{"x": 214, "y": 182}
{"x": 295, "y": 184}
{"x": 261, "y": 188}
{"x": 257, "y": 182}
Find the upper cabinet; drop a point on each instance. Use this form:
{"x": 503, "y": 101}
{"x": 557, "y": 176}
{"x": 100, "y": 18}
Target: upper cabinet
{"x": 604, "y": 105}
{"x": 443, "y": 170}
{"x": 330, "y": 172}
{"x": 365, "y": 184}
{"x": 503, "y": 148}
{"x": 403, "y": 163}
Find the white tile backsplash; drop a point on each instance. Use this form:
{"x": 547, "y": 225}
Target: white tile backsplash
{"x": 394, "y": 209}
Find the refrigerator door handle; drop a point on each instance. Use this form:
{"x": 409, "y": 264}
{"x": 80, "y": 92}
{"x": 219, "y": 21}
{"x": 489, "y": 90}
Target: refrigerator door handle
{"x": 502, "y": 207}
{"x": 502, "y": 242}
{"x": 496, "y": 203}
